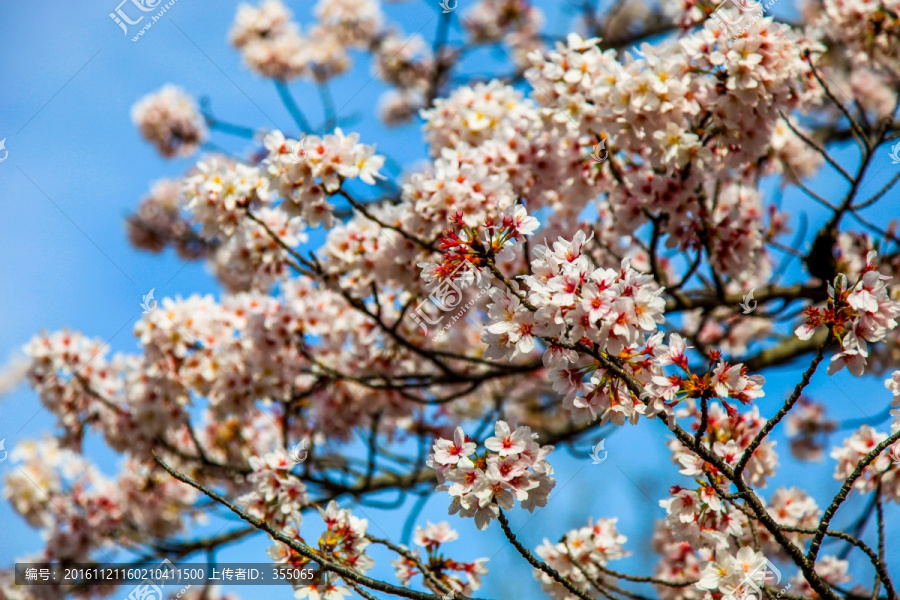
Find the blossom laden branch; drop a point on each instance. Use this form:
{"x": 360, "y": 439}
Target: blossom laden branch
{"x": 302, "y": 549}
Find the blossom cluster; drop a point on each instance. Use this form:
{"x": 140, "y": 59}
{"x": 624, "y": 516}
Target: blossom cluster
{"x": 855, "y": 314}
{"x": 722, "y": 379}
{"x": 610, "y": 310}
{"x": 515, "y": 22}
{"x": 678, "y": 562}
{"x": 808, "y": 429}
{"x": 169, "y": 120}
{"x": 250, "y": 347}
{"x": 304, "y": 172}
{"x": 492, "y": 125}
{"x": 570, "y": 305}
{"x": 735, "y": 574}
{"x": 79, "y": 509}
{"x": 473, "y": 247}
{"x": 664, "y": 88}
{"x": 475, "y": 115}
{"x": 405, "y": 62}
{"x": 467, "y": 577}
{"x": 830, "y": 568}
{"x": 884, "y": 470}
{"x": 361, "y": 252}
{"x": 512, "y": 467}
{"x": 160, "y": 220}
{"x": 272, "y": 44}
{"x": 579, "y": 554}
{"x": 863, "y": 35}
{"x": 345, "y": 537}
{"x": 344, "y": 541}
{"x": 853, "y": 249}
{"x": 233, "y": 354}
{"x": 746, "y": 571}
{"x": 250, "y": 216}
{"x": 731, "y": 333}
{"x": 706, "y": 540}
{"x": 712, "y": 103}
{"x": 220, "y": 197}
{"x": 893, "y": 384}
{"x": 700, "y": 521}
{"x": 458, "y": 184}
{"x": 790, "y": 507}
{"x": 65, "y": 369}
{"x": 122, "y": 397}
{"x": 220, "y": 192}
{"x": 277, "y": 496}
{"x": 253, "y": 258}
{"x": 868, "y": 31}
{"x": 729, "y": 434}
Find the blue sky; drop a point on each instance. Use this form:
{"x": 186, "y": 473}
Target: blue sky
{"x": 77, "y": 167}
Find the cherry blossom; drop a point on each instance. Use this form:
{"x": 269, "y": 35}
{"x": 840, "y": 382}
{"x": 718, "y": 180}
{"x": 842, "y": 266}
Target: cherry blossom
{"x": 830, "y": 568}
{"x": 462, "y": 577}
{"x": 169, "y": 120}
{"x": 278, "y": 495}
{"x": 579, "y": 555}
{"x": 611, "y": 229}
{"x": 857, "y": 314}
{"x": 884, "y": 470}
{"x": 731, "y": 574}
{"x": 809, "y": 429}
{"x": 303, "y": 171}
{"x": 447, "y": 452}
{"x": 481, "y": 486}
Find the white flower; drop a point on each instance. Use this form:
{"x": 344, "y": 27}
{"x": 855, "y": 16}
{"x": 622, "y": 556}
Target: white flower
{"x": 507, "y": 442}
